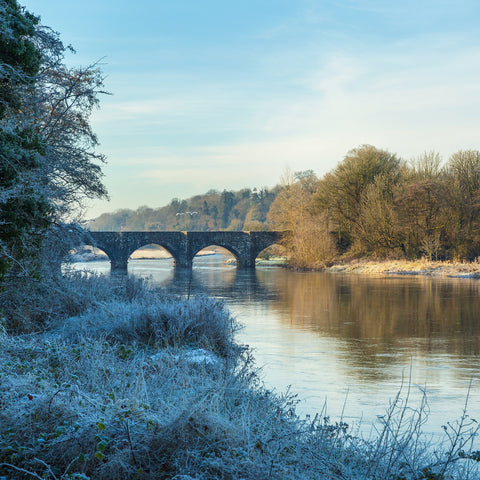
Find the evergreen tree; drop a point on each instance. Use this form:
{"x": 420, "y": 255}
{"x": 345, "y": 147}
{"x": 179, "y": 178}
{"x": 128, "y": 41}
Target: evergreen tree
{"x": 23, "y": 212}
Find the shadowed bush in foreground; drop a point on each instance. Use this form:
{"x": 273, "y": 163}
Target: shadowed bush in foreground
{"x": 151, "y": 387}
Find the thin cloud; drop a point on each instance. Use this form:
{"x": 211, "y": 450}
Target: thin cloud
{"x": 299, "y": 86}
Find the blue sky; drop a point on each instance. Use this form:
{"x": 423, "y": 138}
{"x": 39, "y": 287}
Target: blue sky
{"x": 223, "y": 94}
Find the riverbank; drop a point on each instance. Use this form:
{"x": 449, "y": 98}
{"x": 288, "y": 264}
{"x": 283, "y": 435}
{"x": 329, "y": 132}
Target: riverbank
{"x": 413, "y": 267}
{"x": 129, "y": 383}
{"x": 392, "y": 267}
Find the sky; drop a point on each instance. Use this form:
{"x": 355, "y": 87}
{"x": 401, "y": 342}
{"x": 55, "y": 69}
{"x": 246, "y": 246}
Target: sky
{"x": 219, "y": 94}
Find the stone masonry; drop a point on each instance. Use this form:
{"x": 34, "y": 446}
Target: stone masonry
{"x": 183, "y": 246}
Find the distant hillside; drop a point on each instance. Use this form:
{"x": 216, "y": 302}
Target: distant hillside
{"x": 245, "y": 209}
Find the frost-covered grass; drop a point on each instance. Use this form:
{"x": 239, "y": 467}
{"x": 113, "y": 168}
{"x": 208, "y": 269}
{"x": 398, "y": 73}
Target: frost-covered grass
{"x": 164, "y": 323}
{"x": 139, "y": 385}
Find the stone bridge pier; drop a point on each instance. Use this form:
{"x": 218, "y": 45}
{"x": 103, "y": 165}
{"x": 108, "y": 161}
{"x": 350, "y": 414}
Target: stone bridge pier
{"x": 183, "y": 246}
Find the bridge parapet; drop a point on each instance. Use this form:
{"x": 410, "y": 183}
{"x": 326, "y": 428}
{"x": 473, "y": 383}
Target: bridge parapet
{"x": 183, "y": 246}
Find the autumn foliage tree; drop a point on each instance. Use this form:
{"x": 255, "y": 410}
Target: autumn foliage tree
{"x": 463, "y": 194}
{"x": 342, "y": 193}
{"x": 308, "y": 240}
{"x": 377, "y": 227}
{"x": 420, "y": 203}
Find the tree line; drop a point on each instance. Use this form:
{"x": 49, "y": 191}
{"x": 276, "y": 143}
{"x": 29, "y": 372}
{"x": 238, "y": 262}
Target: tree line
{"x": 375, "y": 204}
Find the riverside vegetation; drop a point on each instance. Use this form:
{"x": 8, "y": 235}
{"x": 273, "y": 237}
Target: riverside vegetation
{"x": 121, "y": 381}
{"x": 376, "y": 205}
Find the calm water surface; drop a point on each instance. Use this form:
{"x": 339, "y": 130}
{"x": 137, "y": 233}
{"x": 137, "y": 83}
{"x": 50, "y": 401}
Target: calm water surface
{"x": 347, "y": 340}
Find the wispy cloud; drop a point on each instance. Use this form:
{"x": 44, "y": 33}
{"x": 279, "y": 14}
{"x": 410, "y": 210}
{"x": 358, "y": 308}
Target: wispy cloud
{"x": 406, "y": 102}
{"x": 226, "y": 104}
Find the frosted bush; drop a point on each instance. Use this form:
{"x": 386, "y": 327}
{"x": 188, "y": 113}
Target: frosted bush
{"x": 172, "y": 322}
{"x": 34, "y": 306}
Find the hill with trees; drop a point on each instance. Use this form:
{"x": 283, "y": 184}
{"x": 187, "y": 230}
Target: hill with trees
{"x": 246, "y": 209}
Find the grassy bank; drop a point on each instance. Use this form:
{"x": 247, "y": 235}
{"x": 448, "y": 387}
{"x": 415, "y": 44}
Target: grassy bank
{"x": 409, "y": 267}
{"x": 380, "y": 267}
{"x": 124, "y": 382}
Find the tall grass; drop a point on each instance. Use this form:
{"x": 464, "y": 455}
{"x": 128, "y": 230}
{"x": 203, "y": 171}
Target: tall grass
{"x": 110, "y": 389}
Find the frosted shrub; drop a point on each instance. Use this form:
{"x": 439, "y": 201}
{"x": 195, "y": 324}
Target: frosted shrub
{"x": 91, "y": 409}
{"x": 29, "y": 305}
{"x": 171, "y": 322}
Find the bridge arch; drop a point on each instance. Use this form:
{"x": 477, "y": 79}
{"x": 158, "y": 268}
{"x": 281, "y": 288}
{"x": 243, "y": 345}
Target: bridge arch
{"x": 86, "y": 252}
{"x": 137, "y": 243}
{"x": 262, "y": 240}
{"x": 275, "y": 250}
{"x": 229, "y": 250}
{"x": 157, "y": 247}
{"x": 86, "y": 241}
{"x": 238, "y": 243}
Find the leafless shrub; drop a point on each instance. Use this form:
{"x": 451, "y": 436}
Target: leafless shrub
{"x": 431, "y": 246}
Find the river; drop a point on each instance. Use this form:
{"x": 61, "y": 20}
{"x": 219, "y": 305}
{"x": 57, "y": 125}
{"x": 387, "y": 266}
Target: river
{"x": 346, "y": 342}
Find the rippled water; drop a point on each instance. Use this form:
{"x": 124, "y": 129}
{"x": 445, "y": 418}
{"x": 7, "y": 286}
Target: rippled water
{"x": 347, "y": 340}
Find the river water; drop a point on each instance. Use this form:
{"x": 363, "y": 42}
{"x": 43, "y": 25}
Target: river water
{"x": 347, "y": 342}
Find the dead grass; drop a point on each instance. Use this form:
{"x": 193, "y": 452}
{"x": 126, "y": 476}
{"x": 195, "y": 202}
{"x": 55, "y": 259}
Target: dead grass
{"x": 405, "y": 267}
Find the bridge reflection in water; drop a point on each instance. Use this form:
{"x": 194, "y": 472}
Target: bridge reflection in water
{"x": 183, "y": 246}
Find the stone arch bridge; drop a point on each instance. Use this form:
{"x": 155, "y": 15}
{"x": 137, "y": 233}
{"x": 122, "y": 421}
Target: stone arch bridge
{"x": 183, "y": 246}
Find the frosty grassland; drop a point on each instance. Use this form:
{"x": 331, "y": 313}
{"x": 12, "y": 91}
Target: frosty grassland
{"x": 125, "y": 382}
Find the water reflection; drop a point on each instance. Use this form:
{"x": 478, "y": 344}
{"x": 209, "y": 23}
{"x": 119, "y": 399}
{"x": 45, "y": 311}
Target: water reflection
{"x": 382, "y": 318}
{"x": 325, "y": 334}
{"x": 385, "y": 310}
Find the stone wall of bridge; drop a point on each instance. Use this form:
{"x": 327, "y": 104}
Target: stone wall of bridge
{"x": 183, "y": 246}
